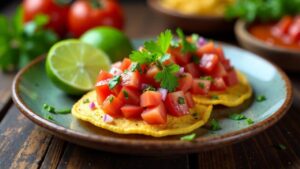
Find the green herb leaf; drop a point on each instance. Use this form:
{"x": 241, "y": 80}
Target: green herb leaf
{"x": 215, "y": 125}
{"x": 125, "y": 94}
{"x": 52, "y": 110}
{"x": 249, "y": 121}
{"x": 206, "y": 78}
{"x": 111, "y": 99}
{"x": 214, "y": 97}
{"x": 86, "y": 101}
{"x": 189, "y": 137}
{"x": 167, "y": 77}
{"x": 261, "y": 98}
{"x": 186, "y": 46}
{"x": 201, "y": 85}
{"x": 237, "y": 117}
{"x": 181, "y": 100}
{"x": 114, "y": 81}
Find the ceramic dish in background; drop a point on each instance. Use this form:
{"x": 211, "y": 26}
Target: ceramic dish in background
{"x": 288, "y": 59}
{"x": 193, "y": 23}
{"x": 31, "y": 89}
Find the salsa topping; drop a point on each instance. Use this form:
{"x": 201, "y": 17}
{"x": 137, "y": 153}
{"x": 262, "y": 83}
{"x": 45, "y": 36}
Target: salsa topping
{"x": 161, "y": 78}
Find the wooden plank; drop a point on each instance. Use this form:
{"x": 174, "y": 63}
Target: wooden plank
{"x": 80, "y": 157}
{"x": 5, "y": 92}
{"x": 23, "y": 144}
{"x": 54, "y": 154}
{"x": 261, "y": 151}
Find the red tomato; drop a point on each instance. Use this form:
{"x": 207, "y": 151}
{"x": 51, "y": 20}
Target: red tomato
{"x": 112, "y": 106}
{"x": 219, "y": 51}
{"x": 176, "y": 104}
{"x": 208, "y": 62}
{"x": 201, "y": 86}
{"x": 85, "y": 15}
{"x": 192, "y": 69}
{"x": 155, "y": 115}
{"x": 208, "y": 48}
{"x": 218, "y": 71}
{"x": 189, "y": 99}
{"x": 231, "y": 78}
{"x": 218, "y": 84}
{"x": 150, "y": 76}
{"x": 131, "y": 111}
{"x": 283, "y": 26}
{"x": 180, "y": 58}
{"x": 129, "y": 96}
{"x": 131, "y": 79}
{"x": 294, "y": 30}
{"x": 125, "y": 64}
{"x": 150, "y": 98}
{"x": 102, "y": 87}
{"x": 185, "y": 82}
{"x": 57, "y": 13}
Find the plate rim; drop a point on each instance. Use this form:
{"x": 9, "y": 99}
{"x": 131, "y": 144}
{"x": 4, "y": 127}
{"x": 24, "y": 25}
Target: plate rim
{"x": 137, "y": 146}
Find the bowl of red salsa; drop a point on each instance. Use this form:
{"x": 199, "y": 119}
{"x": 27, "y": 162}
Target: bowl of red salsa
{"x": 278, "y": 41}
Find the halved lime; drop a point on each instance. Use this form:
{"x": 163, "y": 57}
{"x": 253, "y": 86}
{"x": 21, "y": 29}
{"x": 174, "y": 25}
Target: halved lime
{"x": 74, "y": 65}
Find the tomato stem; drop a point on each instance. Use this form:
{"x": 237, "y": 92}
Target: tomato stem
{"x": 96, "y": 4}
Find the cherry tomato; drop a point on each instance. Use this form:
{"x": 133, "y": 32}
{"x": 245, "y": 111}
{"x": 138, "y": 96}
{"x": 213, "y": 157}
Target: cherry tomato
{"x": 150, "y": 98}
{"x": 57, "y": 13}
{"x": 85, "y": 15}
{"x": 131, "y": 111}
{"x": 177, "y": 104}
{"x": 155, "y": 115}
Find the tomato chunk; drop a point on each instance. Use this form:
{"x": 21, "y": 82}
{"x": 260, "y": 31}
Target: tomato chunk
{"x": 185, "y": 82}
{"x": 231, "y": 78}
{"x": 282, "y": 27}
{"x": 189, "y": 99}
{"x": 177, "y": 104}
{"x": 218, "y": 71}
{"x": 131, "y": 111}
{"x": 180, "y": 58}
{"x": 201, "y": 86}
{"x": 150, "y": 98}
{"x": 218, "y": 84}
{"x": 112, "y": 106}
{"x": 103, "y": 75}
{"x": 208, "y": 62}
{"x": 102, "y": 90}
{"x": 125, "y": 64}
{"x": 117, "y": 65}
{"x": 129, "y": 96}
{"x": 131, "y": 79}
{"x": 192, "y": 69}
{"x": 155, "y": 115}
{"x": 208, "y": 48}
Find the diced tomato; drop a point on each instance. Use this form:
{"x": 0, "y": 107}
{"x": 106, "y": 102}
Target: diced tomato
{"x": 218, "y": 84}
{"x": 117, "y": 65}
{"x": 102, "y": 90}
{"x": 180, "y": 58}
{"x": 125, "y": 64}
{"x": 231, "y": 78}
{"x": 294, "y": 30}
{"x": 103, "y": 75}
{"x": 201, "y": 86}
{"x": 282, "y": 27}
{"x": 129, "y": 96}
{"x": 155, "y": 115}
{"x": 177, "y": 104}
{"x": 185, "y": 82}
{"x": 189, "y": 99}
{"x": 218, "y": 71}
{"x": 112, "y": 106}
{"x": 131, "y": 79}
{"x": 192, "y": 69}
{"x": 131, "y": 111}
{"x": 152, "y": 71}
{"x": 219, "y": 51}
{"x": 115, "y": 71}
{"x": 150, "y": 98}
{"x": 116, "y": 90}
{"x": 226, "y": 64}
{"x": 208, "y": 48}
{"x": 208, "y": 62}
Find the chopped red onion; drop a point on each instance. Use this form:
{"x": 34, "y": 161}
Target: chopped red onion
{"x": 180, "y": 72}
{"x": 107, "y": 118}
{"x": 201, "y": 41}
{"x": 115, "y": 71}
{"x": 92, "y": 106}
{"x": 163, "y": 93}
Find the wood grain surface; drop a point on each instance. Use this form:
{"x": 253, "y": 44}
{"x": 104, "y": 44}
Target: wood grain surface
{"x": 24, "y": 145}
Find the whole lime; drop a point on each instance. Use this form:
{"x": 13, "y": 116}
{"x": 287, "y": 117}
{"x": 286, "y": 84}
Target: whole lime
{"x": 112, "y": 41}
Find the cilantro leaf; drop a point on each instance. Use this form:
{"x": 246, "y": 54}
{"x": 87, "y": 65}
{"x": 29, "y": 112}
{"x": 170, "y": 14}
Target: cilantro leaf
{"x": 261, "y": 98}
{"x": 215, "y": 125}
{"x": 164, "y": 40}
{"x": 167, "y": 77}
{"x": 114, "y": 81}
{"x": 186, "y": 46}
{"x": 189, "y": 137}
{"x": 237, "y": 117}
{"x": 141, "y": 57}
{"x": 249, "y": 121}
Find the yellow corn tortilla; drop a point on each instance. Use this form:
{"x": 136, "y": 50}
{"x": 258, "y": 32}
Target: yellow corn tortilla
{"x": 233, "y": 96}
{"x": 175, "y": 125}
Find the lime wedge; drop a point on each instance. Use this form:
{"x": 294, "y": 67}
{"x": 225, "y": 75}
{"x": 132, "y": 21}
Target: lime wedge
{"x": 74, "y": 65}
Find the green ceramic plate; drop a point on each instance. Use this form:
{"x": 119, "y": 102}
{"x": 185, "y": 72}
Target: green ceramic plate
{"x": 32, "y": 88}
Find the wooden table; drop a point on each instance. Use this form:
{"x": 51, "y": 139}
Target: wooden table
{"x": 25, "y": 145}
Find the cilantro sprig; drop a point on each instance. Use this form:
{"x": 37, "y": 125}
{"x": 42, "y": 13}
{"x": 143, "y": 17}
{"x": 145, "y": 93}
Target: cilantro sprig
{"x": 186, "y": 46}
{"x": 155, "y": 52}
